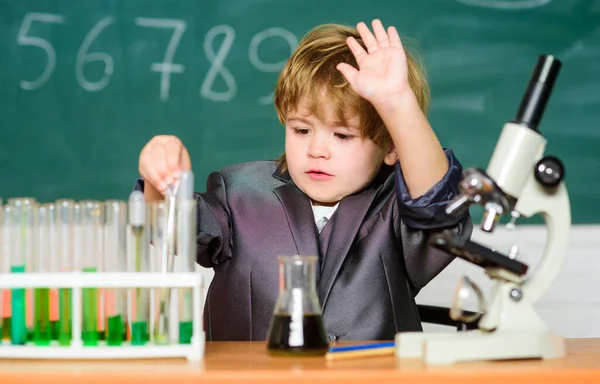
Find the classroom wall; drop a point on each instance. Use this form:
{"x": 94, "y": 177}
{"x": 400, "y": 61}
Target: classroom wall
{"x": 572, "y": 304}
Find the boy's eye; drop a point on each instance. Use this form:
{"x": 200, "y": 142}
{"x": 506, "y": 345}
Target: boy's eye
{"x": 301, "y": 131}
{"x": 343, "y": 136}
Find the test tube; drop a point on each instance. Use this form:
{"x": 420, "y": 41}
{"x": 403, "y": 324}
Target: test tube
{"x": 4, "y": 254}
{"x": 42, "y": 328}
{"x": 54, "y": 266}
{"x": 115, "y": 261}
{"x": 92, "y": 222}
{"x": 66, "y": 246}
{"x": 22, "y": 230}
{"x": 186, "y": 252}
{"x": 160, "y": 296}
{"x": 138, "y": 261}
{"x": 7, "y": 251}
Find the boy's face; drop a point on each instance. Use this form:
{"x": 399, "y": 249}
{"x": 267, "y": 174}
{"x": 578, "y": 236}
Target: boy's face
{"x": 326, "y": 160}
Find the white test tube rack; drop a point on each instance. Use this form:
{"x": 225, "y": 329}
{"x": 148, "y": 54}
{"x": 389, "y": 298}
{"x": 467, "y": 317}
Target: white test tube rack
{"x": 79, "y": 280}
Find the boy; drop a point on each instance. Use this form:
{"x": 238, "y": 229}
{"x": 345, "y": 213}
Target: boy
{"x": 353, "y": 108}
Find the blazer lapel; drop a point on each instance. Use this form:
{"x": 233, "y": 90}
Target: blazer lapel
{"x": 349, "y": 216}
{"x": 300, "y": 218}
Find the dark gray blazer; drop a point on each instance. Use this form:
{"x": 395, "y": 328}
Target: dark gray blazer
{"x": 377, "y": 259}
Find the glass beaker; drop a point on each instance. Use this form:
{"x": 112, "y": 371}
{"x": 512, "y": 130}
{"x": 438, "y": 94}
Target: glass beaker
{"x": 297, "y": 325}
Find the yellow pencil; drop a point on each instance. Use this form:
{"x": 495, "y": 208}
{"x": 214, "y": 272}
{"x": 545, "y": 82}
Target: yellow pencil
{"x": 360, "y": 353}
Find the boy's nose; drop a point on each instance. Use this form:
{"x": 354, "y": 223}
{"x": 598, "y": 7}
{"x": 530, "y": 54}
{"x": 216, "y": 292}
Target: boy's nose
{"x": 318, "y": 149}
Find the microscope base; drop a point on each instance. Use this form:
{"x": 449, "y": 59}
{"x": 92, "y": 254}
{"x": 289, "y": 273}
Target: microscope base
{"x": 450, "y": 348}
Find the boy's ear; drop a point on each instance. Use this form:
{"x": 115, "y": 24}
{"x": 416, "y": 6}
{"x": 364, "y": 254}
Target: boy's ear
{"x": 391, "y": 157}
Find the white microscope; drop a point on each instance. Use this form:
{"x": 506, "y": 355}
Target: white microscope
{"x": 519, "y": 181}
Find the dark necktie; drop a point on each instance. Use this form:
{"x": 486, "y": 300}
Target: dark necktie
{"x": 324, "y": 237}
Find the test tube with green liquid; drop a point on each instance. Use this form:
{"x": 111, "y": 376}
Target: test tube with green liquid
{"x": 22, "y": 229}
{"x": 92, "y": 223}
{"x": 185, "y": 262}
{"x": 4, "y": 253}
{"x": 115, "y": 261}
{"x": 7, "y": 251}
{"x": 54, "y": 266}
{"x": 186, "y": 251}
{"x": 43, "y": 256}
{"x": 66, "y": 246}
{"x": 138, "y": 261}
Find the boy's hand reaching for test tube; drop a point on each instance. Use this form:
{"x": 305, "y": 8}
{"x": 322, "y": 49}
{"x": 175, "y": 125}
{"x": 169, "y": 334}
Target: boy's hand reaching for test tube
{"x": 382, "y": 74}
{"x": 161, "y": 161}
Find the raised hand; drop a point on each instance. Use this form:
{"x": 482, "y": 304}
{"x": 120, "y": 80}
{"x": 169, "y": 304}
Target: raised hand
{"x": 382, "y": 73}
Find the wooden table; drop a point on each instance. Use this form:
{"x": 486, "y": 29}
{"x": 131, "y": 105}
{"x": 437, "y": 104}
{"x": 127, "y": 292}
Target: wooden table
{"x": 239, "y": 362}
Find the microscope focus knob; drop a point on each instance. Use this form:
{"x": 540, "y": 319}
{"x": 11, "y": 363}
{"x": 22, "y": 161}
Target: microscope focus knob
{"x": 549, "y": 171}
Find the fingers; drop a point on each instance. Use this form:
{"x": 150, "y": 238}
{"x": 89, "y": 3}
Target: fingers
{"x": 162, "y": 160}
{"x": 186, "y": 163}
{"x": 154, "y": 178}
{"x": 394, "y": 37}
{"x": 356, "y": 49}
{"x": 349, "y": 72}
{"x": 367, "y": 37}
{"x": 173, "y": 151}
{"x": 381, "y": 38}
{"x": 380, "y": 33}
{"x": 151, "y": 174}
{"x": 157, "y": 167}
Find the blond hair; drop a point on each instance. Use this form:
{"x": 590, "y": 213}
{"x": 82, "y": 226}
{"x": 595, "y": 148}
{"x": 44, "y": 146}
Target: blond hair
{"x": 311, "y": 74}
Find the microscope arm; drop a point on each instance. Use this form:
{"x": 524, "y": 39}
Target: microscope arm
{"x": 553, "y": 204}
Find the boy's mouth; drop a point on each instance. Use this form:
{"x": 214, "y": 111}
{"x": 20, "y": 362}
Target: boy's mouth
{"x": 318, "y": 174}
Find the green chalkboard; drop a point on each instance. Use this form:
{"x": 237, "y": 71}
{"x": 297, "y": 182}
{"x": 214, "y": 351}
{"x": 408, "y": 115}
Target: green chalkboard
{"x": 84, "y": 84}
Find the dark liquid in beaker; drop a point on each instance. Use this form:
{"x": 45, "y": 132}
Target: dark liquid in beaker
{"x": 306, "y": 336}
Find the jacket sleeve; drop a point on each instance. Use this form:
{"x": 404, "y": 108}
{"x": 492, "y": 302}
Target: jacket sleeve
{"x": 428, "y": 210}
{"x": 420, "y": 217}
{"x": 214, "y": 224}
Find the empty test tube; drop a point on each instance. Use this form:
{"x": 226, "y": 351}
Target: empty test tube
{"x": 22, "y": 228}
{"x": 167, "y": 260}
{"x": 65, "y": 248}
{"x": 160, "y": 296}
{"x": 115, "y": 261}
{"x": 91, "y": 259}
{"x": 138, "y": 261}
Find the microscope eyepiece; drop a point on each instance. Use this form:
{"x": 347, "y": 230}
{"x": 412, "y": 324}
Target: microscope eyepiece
{"x": 538, "y": 91}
